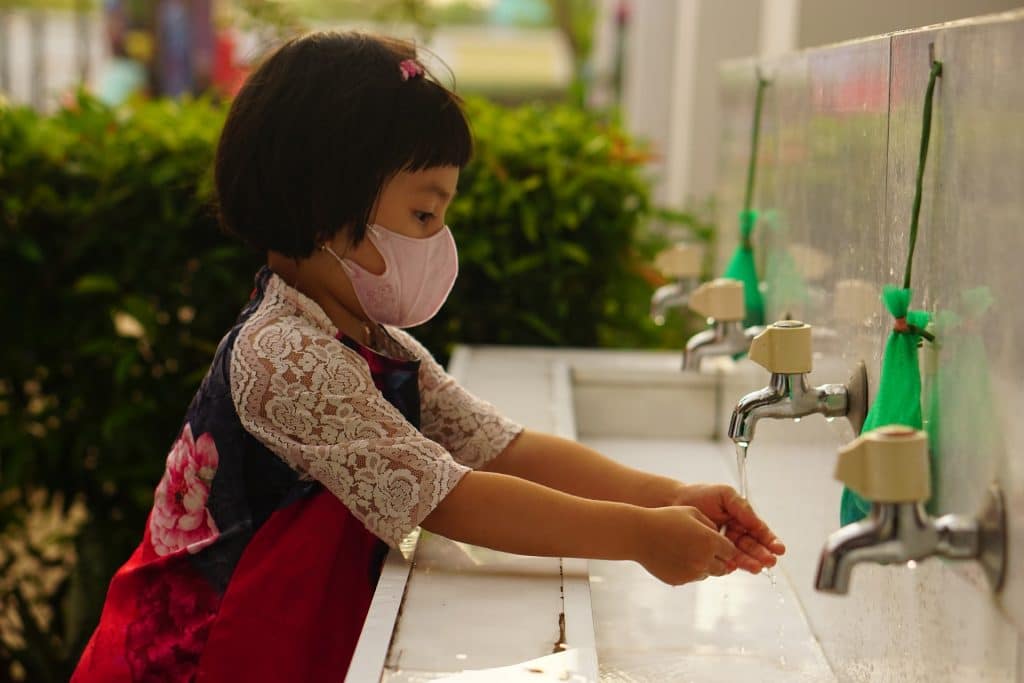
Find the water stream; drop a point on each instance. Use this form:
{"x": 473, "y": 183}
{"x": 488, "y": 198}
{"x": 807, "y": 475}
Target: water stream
{"x": 741, "y": 467}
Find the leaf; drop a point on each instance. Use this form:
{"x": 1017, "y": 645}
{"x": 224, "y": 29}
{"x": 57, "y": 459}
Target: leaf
{"x": 541, "y": 327}
{"x": 30, "y": 251}
{"x": 574, "y": 252}
{"x": 94, "y": 282}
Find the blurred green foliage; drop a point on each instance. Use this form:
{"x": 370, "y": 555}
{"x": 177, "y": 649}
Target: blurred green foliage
{"x": 549, "y": 221}
{"x": 117, "y": 286}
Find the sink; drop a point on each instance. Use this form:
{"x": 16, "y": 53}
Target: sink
{"x": 768, "y": 627}
{"x": 561, "y": 619}
{"x": 739, "y": 627}
{"x": 648, "y": 403}
{"x": 652, "y": 398}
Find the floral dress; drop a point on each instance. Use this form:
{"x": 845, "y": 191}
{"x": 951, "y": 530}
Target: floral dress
{"x": 302, "y": 457}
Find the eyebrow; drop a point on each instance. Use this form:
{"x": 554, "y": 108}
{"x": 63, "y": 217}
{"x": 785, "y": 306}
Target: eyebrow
{"x": 434, "y": 188}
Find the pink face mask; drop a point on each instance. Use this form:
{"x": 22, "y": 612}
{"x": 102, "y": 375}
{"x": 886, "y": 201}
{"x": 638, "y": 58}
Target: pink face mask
{"x": 418, "y": 275}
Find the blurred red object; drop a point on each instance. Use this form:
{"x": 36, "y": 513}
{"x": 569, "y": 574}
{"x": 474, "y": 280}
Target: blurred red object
{"x": 228, "y": 75}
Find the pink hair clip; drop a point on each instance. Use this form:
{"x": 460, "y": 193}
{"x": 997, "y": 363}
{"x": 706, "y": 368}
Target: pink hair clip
{"x": 410, "y": 69}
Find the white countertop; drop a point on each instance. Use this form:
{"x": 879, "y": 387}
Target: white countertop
{"x": 464, "y": 613}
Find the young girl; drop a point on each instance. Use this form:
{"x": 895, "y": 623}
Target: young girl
{"x": 323, "y": 433}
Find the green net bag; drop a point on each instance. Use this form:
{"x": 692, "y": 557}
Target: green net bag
{"x": 741, "y": 267}
{"x": 898, "y": 400}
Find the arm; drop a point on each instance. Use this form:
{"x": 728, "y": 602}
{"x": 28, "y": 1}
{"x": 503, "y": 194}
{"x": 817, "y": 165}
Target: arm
{"x": 572, "y": 467}
{"x": 515, "y": 515}
{"x": 675, "y": 544}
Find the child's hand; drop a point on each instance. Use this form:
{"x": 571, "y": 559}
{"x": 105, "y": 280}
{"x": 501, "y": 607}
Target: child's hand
{"x": 757, "y": 544}
{"x": 680, "y": 544}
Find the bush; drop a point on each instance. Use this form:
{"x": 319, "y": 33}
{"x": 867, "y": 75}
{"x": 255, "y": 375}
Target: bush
{"x": 118, "y": 286}
{"x": 547, "y": 221}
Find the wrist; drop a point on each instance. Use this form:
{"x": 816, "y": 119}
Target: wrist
{"x": 656, "y": 491}
{"x": 620, "y": 528}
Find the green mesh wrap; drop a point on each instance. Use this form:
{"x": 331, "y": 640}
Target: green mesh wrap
{"x": 947, "y": 395}
{"x": 741, "y": 267}
{"x": 898, "y": 400}
{"x": 786, "y": 288}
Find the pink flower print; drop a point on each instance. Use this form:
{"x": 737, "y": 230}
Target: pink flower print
{"x": 180, "y": 518}
{"x": 410, "y": 69}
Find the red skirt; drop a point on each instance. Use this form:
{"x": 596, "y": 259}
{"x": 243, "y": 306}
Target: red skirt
{"x": 292, "y": 610}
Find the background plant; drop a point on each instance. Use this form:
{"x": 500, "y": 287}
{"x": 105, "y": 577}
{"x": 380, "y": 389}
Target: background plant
{"x": 118, "y": 286}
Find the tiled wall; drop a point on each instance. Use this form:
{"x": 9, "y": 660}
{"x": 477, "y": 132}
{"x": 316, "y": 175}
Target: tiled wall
{"x": 840, "y": 140}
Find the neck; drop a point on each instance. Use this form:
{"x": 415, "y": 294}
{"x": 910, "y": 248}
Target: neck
{"x": 326, "y": 283}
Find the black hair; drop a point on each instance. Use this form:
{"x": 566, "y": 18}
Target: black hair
{"x": 317, "y": 130}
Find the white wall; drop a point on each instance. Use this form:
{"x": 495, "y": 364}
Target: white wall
{"x": 675, "y": 46}
{"x": 841, "y": 134}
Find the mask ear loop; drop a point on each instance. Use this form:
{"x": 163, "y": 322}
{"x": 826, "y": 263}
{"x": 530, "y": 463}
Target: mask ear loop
{"x": 368, "y": 330}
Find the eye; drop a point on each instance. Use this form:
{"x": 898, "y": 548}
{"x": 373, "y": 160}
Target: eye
{"x": 423, "y": 216}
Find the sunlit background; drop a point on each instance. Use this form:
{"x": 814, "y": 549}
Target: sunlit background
{"x": 655, "y": 57}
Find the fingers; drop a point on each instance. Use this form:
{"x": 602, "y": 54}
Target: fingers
{"x": 722, "y": 548}
{"x": 703, "y": 519}
{"x": 740, "y": 511}
{"x": 753, "y": 556}
{"x": 720, "y": 567}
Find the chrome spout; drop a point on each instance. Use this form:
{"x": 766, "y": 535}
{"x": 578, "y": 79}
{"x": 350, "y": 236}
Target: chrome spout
{"x": 727, "y": 338}
{"x": 673, "y": 295}
{"x": 901, "y": 533}
{"x": 893, "y": 533}
{"x": 788, "y": 396}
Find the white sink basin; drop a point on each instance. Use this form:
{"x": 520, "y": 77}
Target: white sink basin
{"x": 739, "y": 627}
{"x": 656, "y": 418}
{"x": 744, "y": 627}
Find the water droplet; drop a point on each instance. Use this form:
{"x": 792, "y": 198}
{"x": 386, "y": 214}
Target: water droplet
{"x": 912, "y": 565}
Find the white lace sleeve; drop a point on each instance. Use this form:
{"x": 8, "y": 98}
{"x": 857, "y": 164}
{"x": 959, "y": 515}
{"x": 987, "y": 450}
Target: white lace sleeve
{"x": 473, "y": 430}
{"x": 311, "y": 401}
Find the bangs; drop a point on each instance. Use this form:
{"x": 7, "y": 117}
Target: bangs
{"x": 432, "y": 130}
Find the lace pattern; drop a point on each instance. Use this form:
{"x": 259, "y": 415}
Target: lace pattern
{"x": 472, "y": 429}
{"x": 311, "y": 400}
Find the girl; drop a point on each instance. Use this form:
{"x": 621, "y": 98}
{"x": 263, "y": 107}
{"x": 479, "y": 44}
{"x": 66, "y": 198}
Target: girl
{"x": 323, "y": 433}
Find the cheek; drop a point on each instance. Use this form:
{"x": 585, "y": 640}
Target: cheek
{"x": 399, "y": 220}
{"x": 367, "y": 256}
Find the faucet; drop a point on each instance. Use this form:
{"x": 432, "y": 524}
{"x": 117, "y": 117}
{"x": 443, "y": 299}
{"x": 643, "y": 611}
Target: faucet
{"x": 721, "y": 301}
{"x": 680, "y": 262}
{"x": 673, "y": 295}
{"x": 889, "y": 467}
{"x": 784, "y": 349}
